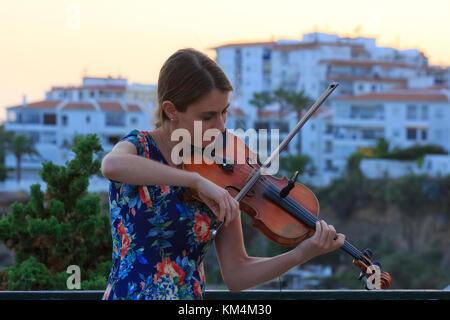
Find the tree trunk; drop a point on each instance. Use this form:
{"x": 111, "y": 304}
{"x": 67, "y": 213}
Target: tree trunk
{"x": 19, "y": 160}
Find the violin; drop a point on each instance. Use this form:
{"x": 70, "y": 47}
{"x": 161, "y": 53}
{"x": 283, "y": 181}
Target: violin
{"x": 284, "y": 210}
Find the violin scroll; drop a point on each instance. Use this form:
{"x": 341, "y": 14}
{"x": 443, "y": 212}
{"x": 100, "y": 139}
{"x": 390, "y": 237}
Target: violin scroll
{"x": 371, "y": 272}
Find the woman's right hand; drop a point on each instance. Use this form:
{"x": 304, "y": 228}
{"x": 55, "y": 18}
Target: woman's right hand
{"x": 219, "y": 200}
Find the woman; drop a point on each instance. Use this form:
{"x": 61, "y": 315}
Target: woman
{"x": 159, "y": 239}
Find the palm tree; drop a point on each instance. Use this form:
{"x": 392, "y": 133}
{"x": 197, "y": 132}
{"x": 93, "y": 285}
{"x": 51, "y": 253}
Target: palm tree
{"x": 260, "y": 100}
{"x": 20, "y": 145}
{"x": 298, "y": 101}
{"x": 5, "y": 138}
{"x": 281, "y": 97}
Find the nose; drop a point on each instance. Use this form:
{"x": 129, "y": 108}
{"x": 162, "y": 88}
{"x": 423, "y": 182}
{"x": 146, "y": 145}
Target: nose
{"x": 221, "y": 124}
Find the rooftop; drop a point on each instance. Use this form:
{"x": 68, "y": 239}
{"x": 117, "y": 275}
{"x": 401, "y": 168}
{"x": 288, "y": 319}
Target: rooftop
{"x": 77, "y": 105}
{"x": 419, "y": 94}
{"x": 367, "y": 63}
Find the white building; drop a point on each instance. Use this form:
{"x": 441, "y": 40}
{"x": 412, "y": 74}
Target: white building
{"x": 434, "y": 165}
{"x": 142, "y": 93}
{"x": 97, "y": 106}
{"x": 404, "y": 117}
{"x": 365, "y": 72}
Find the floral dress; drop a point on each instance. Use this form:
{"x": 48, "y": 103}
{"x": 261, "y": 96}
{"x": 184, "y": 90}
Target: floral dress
{"x": 159, "y": 239}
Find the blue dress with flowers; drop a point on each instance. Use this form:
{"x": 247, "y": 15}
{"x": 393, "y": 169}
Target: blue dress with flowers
{"x": 159, "y": 239}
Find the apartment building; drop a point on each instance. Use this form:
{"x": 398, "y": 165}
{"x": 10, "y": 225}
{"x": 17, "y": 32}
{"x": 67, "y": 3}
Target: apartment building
{"x": 98, "y": 105}
{"x": 404, "y": 117}
{"x": 363, "y": 70}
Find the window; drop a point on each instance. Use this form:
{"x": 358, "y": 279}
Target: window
{"x": 266, "y": 54}
{"x": 133, "y": 120}
{"x": 283, "y": 126}
{"x": 424, "y": 134}
{"x": 411, "y": 133}
{"x": 411, "y": 112}
{"x": 424, "y": 112}
{"x": 328, "y": 165}
{"x": 11, "y": 116}
{"x": 261, "y": 125}
{"x": 49, "y": 118}
{"x": 31, "y": 117}
{"x": 368, "y": 134}
{"x": 115, "y": 119}
{"x": 88, "y": 119}
{"x": 284, "y": 57}
{"x": 113, "y": 139}
{"x": 64, "y": 120}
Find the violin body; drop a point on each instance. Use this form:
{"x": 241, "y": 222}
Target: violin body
{"x": 274, "y": 222}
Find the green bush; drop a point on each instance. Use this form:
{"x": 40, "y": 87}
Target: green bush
{"x": 60, "y": 228}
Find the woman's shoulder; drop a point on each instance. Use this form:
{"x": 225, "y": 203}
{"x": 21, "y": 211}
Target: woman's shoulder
{"x": 143, "y": 141}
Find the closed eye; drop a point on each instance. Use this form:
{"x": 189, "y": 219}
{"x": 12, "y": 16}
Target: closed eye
{"x": 225, "y": 111}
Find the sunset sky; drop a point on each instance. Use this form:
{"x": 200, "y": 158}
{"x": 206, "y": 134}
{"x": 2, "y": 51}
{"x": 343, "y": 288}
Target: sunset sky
{"x": 54, "y": 42}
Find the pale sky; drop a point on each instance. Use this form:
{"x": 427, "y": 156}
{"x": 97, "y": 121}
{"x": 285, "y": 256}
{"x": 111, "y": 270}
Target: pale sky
{"x": 53, "y": 42}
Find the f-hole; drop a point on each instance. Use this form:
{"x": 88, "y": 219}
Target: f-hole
{"x": 251, "y": 193}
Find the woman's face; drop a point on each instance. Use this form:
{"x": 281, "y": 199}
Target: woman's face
{"x": 211, "y": 110}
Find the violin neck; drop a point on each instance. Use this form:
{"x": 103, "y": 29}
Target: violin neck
{"x": 305, "y": 217}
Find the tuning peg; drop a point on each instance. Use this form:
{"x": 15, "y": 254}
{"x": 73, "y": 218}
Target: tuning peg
{"x": 291, "y": 184}
{"x": 368, "y": 253}
{"x": 361, "y": 275}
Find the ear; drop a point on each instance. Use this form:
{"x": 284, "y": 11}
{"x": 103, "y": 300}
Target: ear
{"x": 169, "y": 109}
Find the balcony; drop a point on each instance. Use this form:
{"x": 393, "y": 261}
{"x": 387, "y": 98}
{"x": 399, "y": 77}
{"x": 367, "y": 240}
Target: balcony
{"x": 251, "y": 295}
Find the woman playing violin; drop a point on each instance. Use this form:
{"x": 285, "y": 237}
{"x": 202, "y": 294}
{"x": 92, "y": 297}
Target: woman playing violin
{"x": 160, "y": 238}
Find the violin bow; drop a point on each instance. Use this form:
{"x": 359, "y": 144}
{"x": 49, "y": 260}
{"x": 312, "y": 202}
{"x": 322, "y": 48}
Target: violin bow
{"x": 282, "y": 146}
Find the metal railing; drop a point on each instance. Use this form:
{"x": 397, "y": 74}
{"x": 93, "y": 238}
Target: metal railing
{"x": 251, "y": 295}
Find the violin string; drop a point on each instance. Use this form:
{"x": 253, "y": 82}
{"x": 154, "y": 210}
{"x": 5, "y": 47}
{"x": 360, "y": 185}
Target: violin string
{"x": 309, "y": 218}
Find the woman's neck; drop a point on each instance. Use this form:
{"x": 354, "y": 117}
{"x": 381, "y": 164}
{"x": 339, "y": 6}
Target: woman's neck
{"x": 162, "y": 136}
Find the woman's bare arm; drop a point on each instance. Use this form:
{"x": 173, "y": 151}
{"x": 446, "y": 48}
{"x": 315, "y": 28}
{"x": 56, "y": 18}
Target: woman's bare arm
{"x": 240, "y": 272}
{"x": 123, "y": 164}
